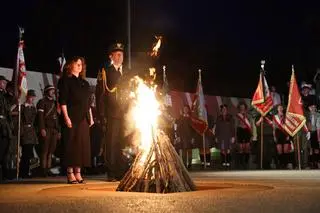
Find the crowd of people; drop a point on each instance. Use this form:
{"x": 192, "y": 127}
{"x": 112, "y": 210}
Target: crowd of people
{"x": 85, "y": 129}
{"x": 238, "y": 137}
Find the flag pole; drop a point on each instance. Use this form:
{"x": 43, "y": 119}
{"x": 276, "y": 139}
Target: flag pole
{"x": 21, "y": 31}
{"x": 261, "y": 126}
{"x": 261, "y": 143}
{"x": 203, "y": 139}
{"x": 299, "y": 152}
{"x": 297, "y": 136}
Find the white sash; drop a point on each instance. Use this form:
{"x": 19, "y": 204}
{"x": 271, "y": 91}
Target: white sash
{"x": 278, "y": 122}
{"x": 245, "y": 121}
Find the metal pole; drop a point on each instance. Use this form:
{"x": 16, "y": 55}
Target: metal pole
{"x": 204, "y": 150}
{"x": 299, "y": 152}
{"x": 18, "y": 140}
{"x": 261, "y": 145}
{"x": 129, "y": 33}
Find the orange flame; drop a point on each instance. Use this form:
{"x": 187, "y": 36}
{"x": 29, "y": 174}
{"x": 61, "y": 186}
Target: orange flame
{"x": 156, "y": 46}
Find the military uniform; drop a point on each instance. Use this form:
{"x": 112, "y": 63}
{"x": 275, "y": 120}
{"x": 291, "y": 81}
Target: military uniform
{"x": 11, "y": 157}
{"x": 5, "y": 128}
{"x": 28, "y": 135}
{"x": 313, "y": 123}
{"x": 48, "y": 121}
{"x": 110, "y": 111}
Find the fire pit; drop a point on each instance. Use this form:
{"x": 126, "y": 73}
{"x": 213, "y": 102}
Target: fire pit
{"x": 157, "y": 166}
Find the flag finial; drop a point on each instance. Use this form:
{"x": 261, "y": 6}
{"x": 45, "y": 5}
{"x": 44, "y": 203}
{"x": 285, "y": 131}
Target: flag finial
{"x": 292, "y": 68}
{"x": 164, "y": 72}
{"x": 263, "y": 62}
{"x": 21, "y": 31}
{"x": 199, "y": 74}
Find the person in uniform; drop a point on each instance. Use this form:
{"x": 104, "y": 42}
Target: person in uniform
{"x": 244, "y": 134}
{"x": 313, "y": 123}
{"x": 11, "y": 158}
{"x": 74, "y": 94}
{"x": 48, "y": 126}
{"x": 28, "y": 133}
{"x": 5, "y": 129}
{"x": 307, "y": 99}
{"x": 268, "y": 141}
{"x": 110, "y": 111}
{"x": 186, "y": 134}
{"x": 225, "y": 135}
{"x": 281, "y": 138}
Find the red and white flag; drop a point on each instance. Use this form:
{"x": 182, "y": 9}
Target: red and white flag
{"x": 262, "y": 99}
{"x": 294, "y": 119}
{"x": 21, "y": 73}
{"x": 199, "y": 116}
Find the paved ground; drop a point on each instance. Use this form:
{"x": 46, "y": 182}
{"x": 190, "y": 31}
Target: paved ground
{"x": 252, "y": 191}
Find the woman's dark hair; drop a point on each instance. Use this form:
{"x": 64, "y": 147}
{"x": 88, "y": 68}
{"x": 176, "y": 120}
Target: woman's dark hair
{"x": 242, "y": 103}
{"x": 69, "y": 65}
{"x": 223, "y": 106}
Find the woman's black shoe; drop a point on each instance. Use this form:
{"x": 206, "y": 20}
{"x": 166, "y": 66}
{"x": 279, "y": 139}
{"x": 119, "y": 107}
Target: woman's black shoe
{"x": 71, "y": 181}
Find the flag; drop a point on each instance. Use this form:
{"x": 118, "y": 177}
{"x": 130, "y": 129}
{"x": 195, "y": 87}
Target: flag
{"x": 165, "y": 89}
{"x": 20, "y": 75}
{"x": 62, "y": 62}
{"x": 295, "y": 118}
{"x": 199, "y": 116}
{"x": 262, "y": 99}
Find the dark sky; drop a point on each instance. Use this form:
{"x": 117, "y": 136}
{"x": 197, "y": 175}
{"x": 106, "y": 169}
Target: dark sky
{"x": 226, "y": 39}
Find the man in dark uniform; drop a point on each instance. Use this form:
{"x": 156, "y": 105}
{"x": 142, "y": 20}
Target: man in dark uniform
{"x": 48, "y": 126}
{"x": 307, "y": 100}
{"x": 110, "y": 111}
{"x": 28, "y": 133}
{"x": 11, "y": 157}
{"x": 5, "y": 130}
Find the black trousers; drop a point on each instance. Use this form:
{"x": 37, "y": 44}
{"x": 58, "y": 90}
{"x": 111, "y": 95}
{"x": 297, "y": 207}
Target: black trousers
{"x": 27, "y": 154}
{"x": 4, "y": 144}
{"x": 113, "y": 148}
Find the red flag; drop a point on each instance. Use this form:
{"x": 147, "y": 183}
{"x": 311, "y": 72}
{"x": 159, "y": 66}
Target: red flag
{"x": 199, "y": 112}
{"x": 262, "y": 99}
{"x": 295, "y": 119}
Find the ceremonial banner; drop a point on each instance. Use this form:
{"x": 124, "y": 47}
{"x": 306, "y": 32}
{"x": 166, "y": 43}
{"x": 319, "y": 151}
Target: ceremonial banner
{"x": 199, "y": 112}
{"x": 20, "y": 76}
{"x": 295, "y": 118}
{"x": 262, "y": 99}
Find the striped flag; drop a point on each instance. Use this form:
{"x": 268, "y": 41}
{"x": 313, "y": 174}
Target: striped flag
{"x": 21, "y": 86}
{"x": 199, "y": 116}
{"x": 295, "y": 118}
{"x": 262, "y": 99}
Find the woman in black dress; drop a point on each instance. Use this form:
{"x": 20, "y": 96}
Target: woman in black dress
{"x": 74, "y": 93}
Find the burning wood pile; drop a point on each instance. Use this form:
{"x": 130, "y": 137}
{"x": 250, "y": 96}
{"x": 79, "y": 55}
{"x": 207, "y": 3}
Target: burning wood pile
{"x": 157, "y": 167}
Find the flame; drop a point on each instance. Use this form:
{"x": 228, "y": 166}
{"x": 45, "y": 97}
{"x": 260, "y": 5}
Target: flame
{"x": 145, "y": 113}
{"x": 156, "y": 47}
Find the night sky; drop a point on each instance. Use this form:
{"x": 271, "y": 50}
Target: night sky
{"x": 226, "y": 39}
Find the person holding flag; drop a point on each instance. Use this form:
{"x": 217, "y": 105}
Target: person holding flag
{"x": 263, "y": 102}
{"x": 199, "y": 122}
{"x": 295, "y": 119}
{"x": 281, "y": 137}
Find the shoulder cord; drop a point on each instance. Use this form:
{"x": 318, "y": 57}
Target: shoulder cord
{"x": 104, "y": 79}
